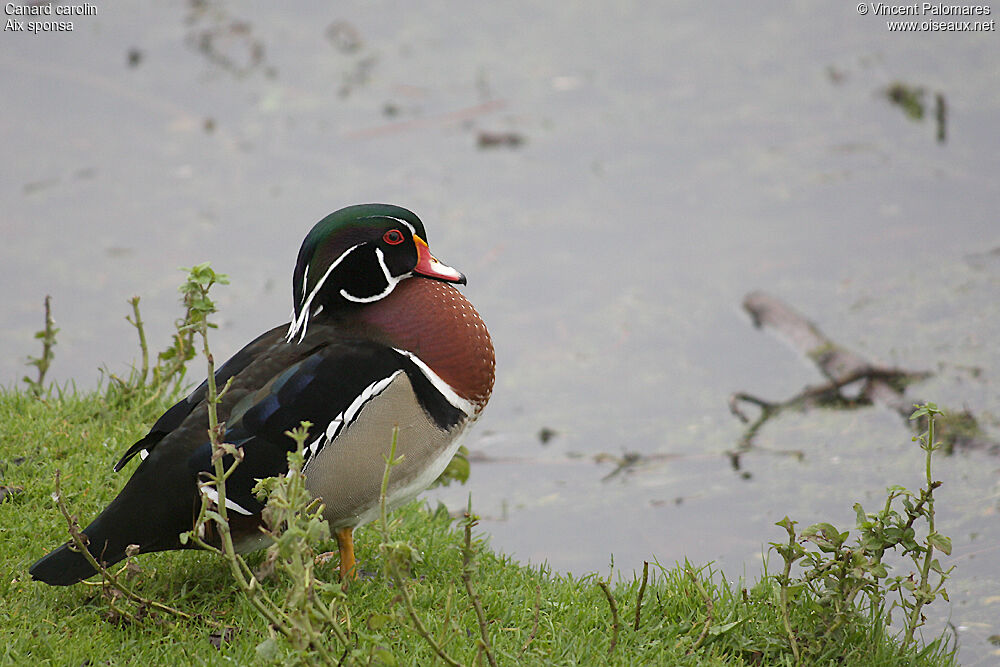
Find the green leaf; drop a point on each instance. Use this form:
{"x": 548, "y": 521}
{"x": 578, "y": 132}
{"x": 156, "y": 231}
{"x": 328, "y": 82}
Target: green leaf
{"x": 924, "y": 410}
{"x": 384, "y": 657}
{"x": 940, "y": 542}
{"x": 717, "y": 630}
{"x": 786, "y": 523}
{"x": 860, "y": 512}
{"x": 267, "y": 650}
{"x": 378, "y": 621}
{"x": 825, "y": 536}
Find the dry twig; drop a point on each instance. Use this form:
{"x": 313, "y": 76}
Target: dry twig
{"x": 709, "y": 609}
{"x": 534, "y": 627}
{"x": 614, "y": 615}
{"x": 80, "y": 541}
{"x": 467, "y": 553}
{"x": 642, "y": 591}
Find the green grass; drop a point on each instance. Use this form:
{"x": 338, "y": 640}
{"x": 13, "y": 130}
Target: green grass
{"x": 83, "y": 435}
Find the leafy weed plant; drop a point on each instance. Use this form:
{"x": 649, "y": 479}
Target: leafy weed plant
{"x": 48, "y": 337}
{"x": 847, "y": 578}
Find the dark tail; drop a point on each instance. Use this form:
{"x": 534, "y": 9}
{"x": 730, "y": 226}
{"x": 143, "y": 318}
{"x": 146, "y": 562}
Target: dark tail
{"x": 62, "y": 567}
{"x": 151, "y": 511}
{"x": 119, "y": 526}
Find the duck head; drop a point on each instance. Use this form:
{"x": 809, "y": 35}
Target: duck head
{"x": 358, "y": 255}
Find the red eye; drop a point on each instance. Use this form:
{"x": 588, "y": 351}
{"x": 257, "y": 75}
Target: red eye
{"x": 393, "y": 237}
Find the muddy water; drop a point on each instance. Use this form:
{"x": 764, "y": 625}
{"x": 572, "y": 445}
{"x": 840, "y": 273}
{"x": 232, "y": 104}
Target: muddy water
{"x": 612, "y": 177}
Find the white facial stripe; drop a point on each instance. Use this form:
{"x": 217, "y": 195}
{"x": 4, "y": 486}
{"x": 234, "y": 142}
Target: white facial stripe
{"x": 449, "y": 394}
{"x": 412, "y": 229}
{"x": 390, "y": 280}
{"x": 302, "y": 321}
{"x": 299, "y": 324}
{"x": 400, "y": 220}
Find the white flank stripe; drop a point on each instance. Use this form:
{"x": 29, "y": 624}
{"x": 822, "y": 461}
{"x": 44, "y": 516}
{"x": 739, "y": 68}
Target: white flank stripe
{"x": 370, "y": 392}
{"x": 345, "y": 418}
{"x": 213, "y": 494}
{"x": 449, "y": 394}
{"x": 313, "y": 448}
{"x": 334, "y": 427}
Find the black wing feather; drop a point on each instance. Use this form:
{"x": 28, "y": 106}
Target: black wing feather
{"x": 175, "y": 416}
{"x": 317, "y": 389}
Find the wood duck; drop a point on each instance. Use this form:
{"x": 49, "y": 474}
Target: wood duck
{"x": 379, "y": 338}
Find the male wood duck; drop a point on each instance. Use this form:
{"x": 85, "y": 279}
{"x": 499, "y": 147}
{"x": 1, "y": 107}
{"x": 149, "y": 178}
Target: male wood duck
{"x": 379, "y": 338}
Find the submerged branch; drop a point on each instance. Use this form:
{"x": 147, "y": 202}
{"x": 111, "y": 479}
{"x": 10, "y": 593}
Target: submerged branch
{"x": 843, "y": 369}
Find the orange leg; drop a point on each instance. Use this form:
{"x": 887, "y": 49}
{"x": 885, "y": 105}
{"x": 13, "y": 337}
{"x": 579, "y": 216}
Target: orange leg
{"x": 345, "y": 542}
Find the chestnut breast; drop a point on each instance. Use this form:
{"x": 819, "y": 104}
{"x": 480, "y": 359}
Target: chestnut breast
{"x": 437, "y": 323}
